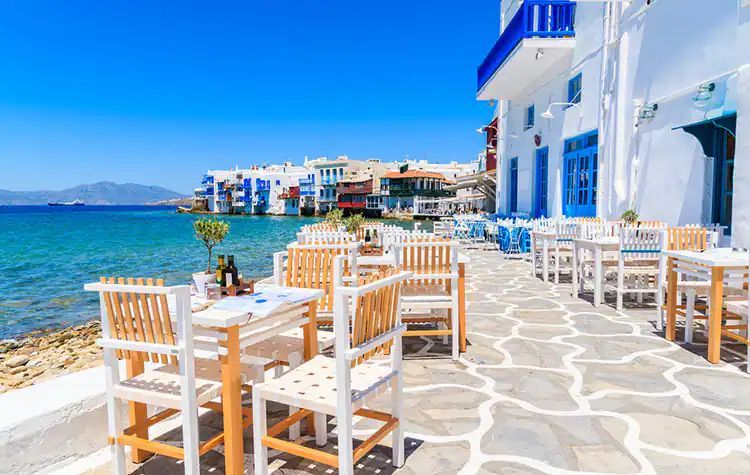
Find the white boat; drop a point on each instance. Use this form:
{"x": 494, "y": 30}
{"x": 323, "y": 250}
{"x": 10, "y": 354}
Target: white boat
{"x": 77, "y": 202}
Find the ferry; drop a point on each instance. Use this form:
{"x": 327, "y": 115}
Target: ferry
{"x": 66, "y": 203}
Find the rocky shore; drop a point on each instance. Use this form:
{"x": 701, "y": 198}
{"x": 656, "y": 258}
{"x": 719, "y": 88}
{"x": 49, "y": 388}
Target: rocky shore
{"x": 42, "y": 355}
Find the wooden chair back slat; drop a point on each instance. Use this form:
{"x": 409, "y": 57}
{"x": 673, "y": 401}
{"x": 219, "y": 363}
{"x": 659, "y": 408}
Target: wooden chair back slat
{"x": 376, "y": 313}
{"x": 139, "y": 317}
{"x": 687, "y": 239}
{"x": 312, "y": 267}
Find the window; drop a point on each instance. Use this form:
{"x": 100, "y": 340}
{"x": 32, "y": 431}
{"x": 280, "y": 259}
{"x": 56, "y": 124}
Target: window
{"x": 529, "y": 120}
{"x": 574, "y": 89}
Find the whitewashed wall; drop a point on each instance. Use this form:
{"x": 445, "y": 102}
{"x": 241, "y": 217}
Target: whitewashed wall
{"x": 665, "y": 51}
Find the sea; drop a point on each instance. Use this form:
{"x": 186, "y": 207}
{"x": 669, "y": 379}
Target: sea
{"x": 48, "y": 253}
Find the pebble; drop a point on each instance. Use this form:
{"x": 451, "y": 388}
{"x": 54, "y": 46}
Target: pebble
{"x": 18, "y": 360}
{"x": 42, "y": 355}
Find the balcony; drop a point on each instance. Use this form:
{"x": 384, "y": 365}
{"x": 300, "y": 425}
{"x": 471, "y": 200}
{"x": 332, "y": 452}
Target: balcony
{"x": 354, "y": 188}
{"x": 351, "y": 205}
{"x": 536, "y": 43}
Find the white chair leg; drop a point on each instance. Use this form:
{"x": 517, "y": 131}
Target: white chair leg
{"x": 190, "y": 441}
{"x": 346, "y": 444}
{"x": 259, "y": 431}
{"x": 397, "y": 436}
{"x": 114, "y": 414}
{"x": 321, "y": 429}
{"x": 689, "y": 314}
{"x": 295, "y": 359}
{"x": 557, "y": 267}
{"x": 620, "y": 288}
{"x": 640, "y": 283}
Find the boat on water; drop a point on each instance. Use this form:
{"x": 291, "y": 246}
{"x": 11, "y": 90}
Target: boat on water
{"x": 66, "y": 203}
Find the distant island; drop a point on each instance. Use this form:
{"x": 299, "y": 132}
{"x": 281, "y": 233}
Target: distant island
{"x": 102, "y": 193}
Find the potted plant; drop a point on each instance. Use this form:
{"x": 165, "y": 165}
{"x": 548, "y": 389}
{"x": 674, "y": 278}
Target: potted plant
{"x": 630, "y": 217}
{"x": 353, "y": 222}
{"x": 210, "y": 231}
{"x": 335, "y": 217}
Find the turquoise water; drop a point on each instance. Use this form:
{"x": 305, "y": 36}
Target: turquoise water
{"x": 47, "y": 254}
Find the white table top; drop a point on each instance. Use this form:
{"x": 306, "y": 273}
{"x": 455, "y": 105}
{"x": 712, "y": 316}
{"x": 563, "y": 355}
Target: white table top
{"x": 212, "y": 317}
{"x": 718, "y": 257}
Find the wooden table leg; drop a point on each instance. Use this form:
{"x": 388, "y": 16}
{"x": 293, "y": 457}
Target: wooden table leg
{"x": 232, "y": 404}
{"x": 310, "y": 332}
{"x": 462, "y": 307}
{"x": 714, "y": 320}
{"x": 670, "y": 331}
{"x": 137, "y": 411}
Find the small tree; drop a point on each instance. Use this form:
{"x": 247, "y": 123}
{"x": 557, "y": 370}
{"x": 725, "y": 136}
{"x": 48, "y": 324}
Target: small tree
{"x": 210, "y": 231}
{"x": 353, "y": 222}
{"x": 335, "y": 217}
{"x": 630, "y": 217}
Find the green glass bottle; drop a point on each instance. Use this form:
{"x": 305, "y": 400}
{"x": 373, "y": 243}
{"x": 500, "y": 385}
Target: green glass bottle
{"x": 220, "y": 271}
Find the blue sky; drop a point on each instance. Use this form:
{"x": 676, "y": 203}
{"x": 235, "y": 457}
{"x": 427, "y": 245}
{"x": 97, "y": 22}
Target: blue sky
{"x": 156, "y": 92}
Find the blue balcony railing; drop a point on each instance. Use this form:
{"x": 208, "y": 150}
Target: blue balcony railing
{"x": 534, "y": 19}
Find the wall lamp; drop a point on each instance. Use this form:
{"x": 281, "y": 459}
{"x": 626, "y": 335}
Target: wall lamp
{"x": 647, "y": 112}
{"x": 705, "y": 93}
{"x": 549, "y": 115}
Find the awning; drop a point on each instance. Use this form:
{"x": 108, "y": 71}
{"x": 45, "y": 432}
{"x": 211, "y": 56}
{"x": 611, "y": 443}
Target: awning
{"x": 705, "y": 131}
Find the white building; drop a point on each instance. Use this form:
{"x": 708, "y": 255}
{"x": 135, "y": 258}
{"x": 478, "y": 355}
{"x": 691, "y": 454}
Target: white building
{"x": 608, "y": 105}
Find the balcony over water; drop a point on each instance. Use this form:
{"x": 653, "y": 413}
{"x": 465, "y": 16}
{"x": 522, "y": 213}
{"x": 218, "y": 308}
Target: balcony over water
{"x": 535, "y": 43}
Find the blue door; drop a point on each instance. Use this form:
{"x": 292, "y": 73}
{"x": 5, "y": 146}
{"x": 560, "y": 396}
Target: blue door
{"x": 540, "y": 180}
{"x": 723, "y": 179}
{"x": 580, "y": 175}
{"x": 513, "y": 175}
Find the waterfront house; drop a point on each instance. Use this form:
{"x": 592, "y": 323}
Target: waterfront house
{"x": 352, "y": 195}
{"x": 399, "y": 188}
{"x": 608, "y": 106}
{"x": 291, "y": 199}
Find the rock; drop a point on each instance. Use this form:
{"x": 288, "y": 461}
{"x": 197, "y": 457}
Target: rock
{"x": 17, "y": 369}
{"x": 18, "y": 360}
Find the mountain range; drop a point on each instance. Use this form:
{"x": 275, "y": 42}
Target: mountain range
{"x": 102, "y": 193}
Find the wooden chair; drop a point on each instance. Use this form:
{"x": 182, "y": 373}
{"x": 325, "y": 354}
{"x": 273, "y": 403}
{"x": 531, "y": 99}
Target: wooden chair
{"x": 433, "y": 288}
{"x": 311, "y": 267}
{"x": 342, "y": 386}
{"x": 638, "y": 262}
{"x": 136, "y": 327}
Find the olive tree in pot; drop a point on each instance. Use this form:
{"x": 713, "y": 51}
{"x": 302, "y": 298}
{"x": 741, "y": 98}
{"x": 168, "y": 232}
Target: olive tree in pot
{"x": 210, "y": 231}
{"x": 630, "y": 217}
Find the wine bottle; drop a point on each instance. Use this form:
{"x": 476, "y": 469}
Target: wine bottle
{"x": 231, "y": 274}
{"x": 367, "y": 236}
{"x": 220, "y": 271}
{"x": 375, "y": 242}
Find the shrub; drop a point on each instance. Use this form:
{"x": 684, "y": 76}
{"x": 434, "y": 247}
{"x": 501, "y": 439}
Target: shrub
{"x": 630, "y": 217}
{"x": 210, "y": 231}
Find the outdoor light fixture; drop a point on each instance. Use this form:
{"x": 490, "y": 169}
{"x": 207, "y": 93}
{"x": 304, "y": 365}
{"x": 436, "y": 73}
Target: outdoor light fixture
{"x": 705, "y": 93}
{"x": 549, "y": 115}
{"x": 539, "y": 54}
{"x": 647, "y": 112}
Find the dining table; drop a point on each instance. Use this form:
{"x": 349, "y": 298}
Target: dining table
{"x": 388, "y": 259}
{"x": 598, "y": 247}
{"x": 718, "y": 266}
{"x": 236, "y": 330}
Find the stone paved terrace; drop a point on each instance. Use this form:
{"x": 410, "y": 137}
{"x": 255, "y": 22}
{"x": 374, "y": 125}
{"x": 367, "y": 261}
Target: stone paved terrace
{"x": 552, "y": 385}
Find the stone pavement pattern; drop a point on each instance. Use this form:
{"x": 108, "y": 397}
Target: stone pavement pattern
{"x": 550, "y": 384}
